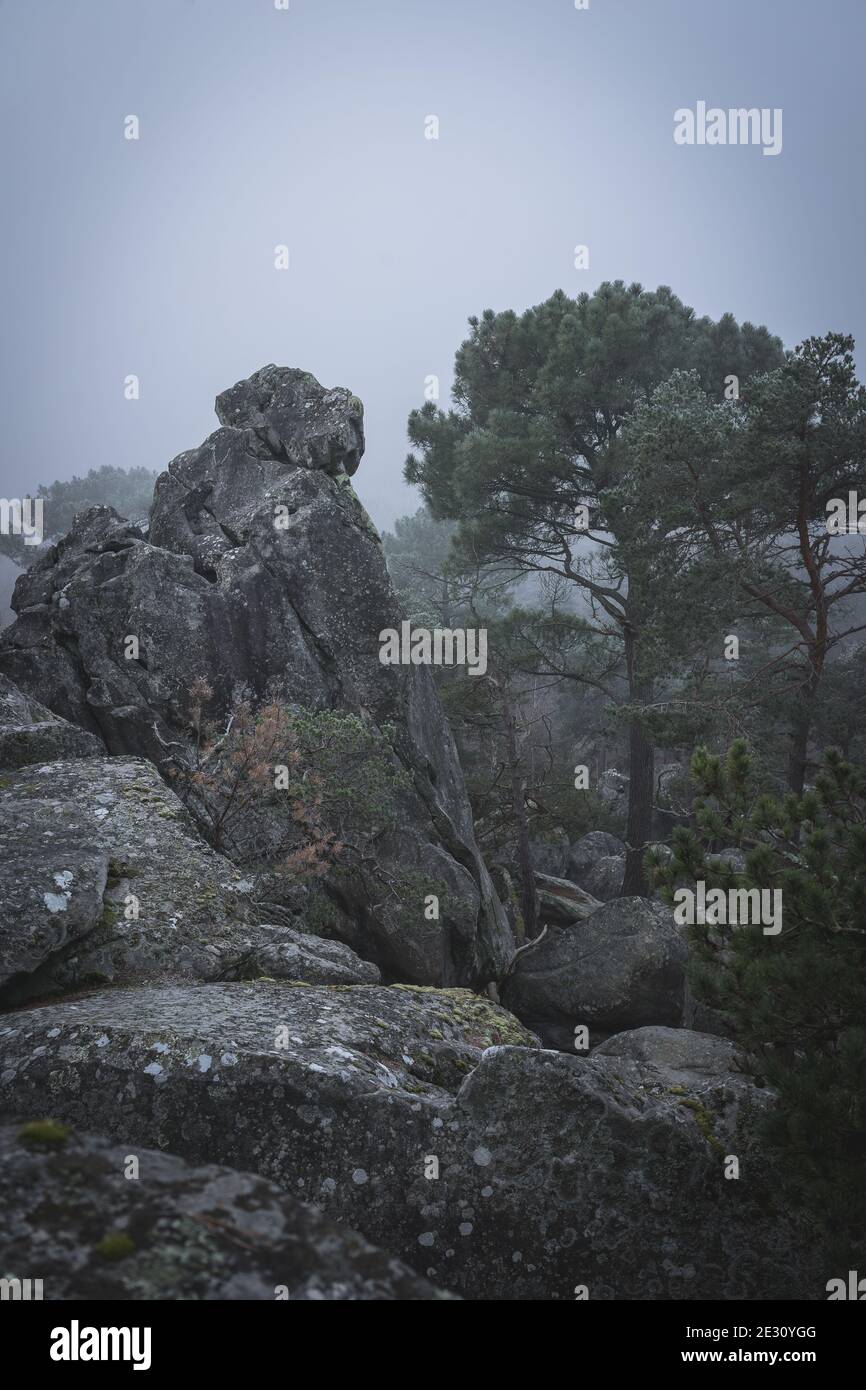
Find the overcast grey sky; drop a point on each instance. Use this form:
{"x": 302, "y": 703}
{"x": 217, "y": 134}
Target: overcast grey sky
{"x": 307, "y": 127}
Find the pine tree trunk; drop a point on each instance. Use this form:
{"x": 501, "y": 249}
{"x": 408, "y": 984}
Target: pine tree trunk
{"x": 529, "y": 897}
{"x": 798, "y": 756}
{"x": 641, "y": 787}
{"x": 801, "y": 728}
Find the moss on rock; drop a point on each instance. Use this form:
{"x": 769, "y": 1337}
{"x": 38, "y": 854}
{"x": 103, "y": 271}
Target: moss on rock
{"x": 44, "y": 1134}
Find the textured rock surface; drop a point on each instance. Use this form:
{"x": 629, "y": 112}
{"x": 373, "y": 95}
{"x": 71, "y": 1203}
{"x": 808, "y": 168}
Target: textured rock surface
{"x": 79, "y": 839}
{"x": 559, "y": 900}
{"x": 613, "y": 789}
{"x": 605, "y": 879}
{"x": 288, "y": 954}
{"x": 549, "y": 856}
{"x": 366, "y": 1038}
{"x": 294, "y": 417}
{"x": 553, "y": 1170}
{"x": 586, "y": 852}
{"x": 68, "y": 1212}
{"x": 673, "y": 793}
{"x": 679, "y": 1051}
{"x": 30, "y": 733}
{"x": 621, "y": 968}
{"x": 219, "y": 590}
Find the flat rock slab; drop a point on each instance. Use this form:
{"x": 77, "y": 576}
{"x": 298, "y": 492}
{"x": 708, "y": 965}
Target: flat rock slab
{"x": 559, "y": 900}
{"x": 70, "y": 1216}
{"x": 425, "y": 1119}
{"x": 364, "y": 1038}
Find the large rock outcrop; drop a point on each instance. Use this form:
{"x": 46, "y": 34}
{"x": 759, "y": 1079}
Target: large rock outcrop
{"x": 431, "y": 1122}
{"x": 69, "y": 1210}
{"x": 262, "y": 573}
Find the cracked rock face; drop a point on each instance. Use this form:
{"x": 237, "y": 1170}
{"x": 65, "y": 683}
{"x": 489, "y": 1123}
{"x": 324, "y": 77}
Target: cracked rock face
{"x": 220, "y": 590}
{"x": 430, "y": 1121}
{"x": 70, "y": 1216}
{"x": 82, "y": 839}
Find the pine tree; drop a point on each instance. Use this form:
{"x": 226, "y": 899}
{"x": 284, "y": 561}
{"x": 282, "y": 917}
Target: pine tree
{"x": 526, "y": 464}
{"x": 797, "y": 1000}
{"x": 128, "y": 490}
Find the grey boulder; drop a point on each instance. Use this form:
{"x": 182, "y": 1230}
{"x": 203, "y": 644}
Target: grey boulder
{"x": 281, "y": 952}
{"x": 672, "y": 787}
{"x": 559, "y": 900}
{"x": 586, "y": 852}
{"x": 733, "y": 858}
{"x": 71, "y": 1216}
{"x": 621, "y": 968}
{"x": 429, "y": 1121}
{"x": 293, "y": 417}
{"x": 605, "y": 879}
{"x": 678, "y": 1051}
{"x": 550, "y": 856}
{"x": 613, "y": 789}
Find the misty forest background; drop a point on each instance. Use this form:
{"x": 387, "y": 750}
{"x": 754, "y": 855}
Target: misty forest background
{"x": 704, "y": 456}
